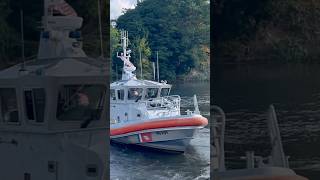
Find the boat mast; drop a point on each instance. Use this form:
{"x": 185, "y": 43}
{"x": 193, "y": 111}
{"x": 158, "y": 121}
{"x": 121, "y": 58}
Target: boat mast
{"x": 141, "y": 73}
{"x": 100, "y": 30}
{"x": 22, "y": 42}
{"x": 60, "y": 36}
{"x": 45, "y": 14}
{"x": 154, "y": 70}
{"x": 158, "y": 66}
{"x": 128, "y": 67}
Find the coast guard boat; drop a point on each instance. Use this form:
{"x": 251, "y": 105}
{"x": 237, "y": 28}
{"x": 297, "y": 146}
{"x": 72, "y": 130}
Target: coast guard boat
{"x": 53, "y": 122}
{"x": 143, "y": 112}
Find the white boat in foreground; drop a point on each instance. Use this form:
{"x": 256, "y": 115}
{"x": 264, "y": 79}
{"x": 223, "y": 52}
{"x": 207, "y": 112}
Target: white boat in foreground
{"x": 143, "y": 112}
{"x": 53, "y": 122}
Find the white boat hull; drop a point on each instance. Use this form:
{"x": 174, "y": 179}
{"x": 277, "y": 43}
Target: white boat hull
{"x": 166, "y": 139}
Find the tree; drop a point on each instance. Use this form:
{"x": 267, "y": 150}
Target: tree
{"x": 172, "y": 27}
{"x": 114, "y": 48}
{"x": 8, "y": 40}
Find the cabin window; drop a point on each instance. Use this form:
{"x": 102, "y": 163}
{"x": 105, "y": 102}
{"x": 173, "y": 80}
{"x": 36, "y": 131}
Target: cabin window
{"x": 8, "y": 105}
{"x": 151, "y": 93}
{"x": 112, "y": 94}
{"x": 134, "y": 93}
{"x": 35, "y": 104}
{"x": 80, "y": 102}
{"x": 165, "y": 92}
{"x": 120, "y": 94}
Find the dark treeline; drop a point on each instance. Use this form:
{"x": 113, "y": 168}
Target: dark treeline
{"x": 10, "y": 36}
{"x": 178, "y": 30}
{"x": 253, "y": 31}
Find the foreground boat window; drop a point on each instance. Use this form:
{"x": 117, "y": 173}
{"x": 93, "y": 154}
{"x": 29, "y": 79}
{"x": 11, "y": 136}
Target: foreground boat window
{"x": 80, "y": 102}
{"x": 120, "y": 94}
{"x": 164, "y": 92}
{"x": 151, "y": 93}
{"x": 134, "y": 93}
{"x": 113, "y": 94}
{"x": 8, "y": 105}
{"x": 35, "y": 104}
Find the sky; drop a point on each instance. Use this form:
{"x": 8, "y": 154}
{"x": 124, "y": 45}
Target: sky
{"x": 117, "y": 6}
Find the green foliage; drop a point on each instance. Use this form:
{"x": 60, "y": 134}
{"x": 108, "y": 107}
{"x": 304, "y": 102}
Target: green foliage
{"x": 10, "y": 36}
{"x": 5, "y": 31}
{"x": 88, "y": 10}
{"x": 267, "y": 30}
{"x": 176, "y": 29}
{"x": 141, "y": 48}
{"x": 114, "y": 48}
{"x": 114, "y": 39}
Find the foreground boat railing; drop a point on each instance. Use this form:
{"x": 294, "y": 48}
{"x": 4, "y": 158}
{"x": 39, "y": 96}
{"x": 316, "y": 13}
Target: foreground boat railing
{"x": 196, "y": 105}
{"x": 218, "y": 128}
{"x": 166, "y": 102}
{"x": 276, "y": 158}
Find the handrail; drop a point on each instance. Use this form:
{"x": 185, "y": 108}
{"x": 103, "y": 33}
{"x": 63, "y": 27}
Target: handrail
{"x": 166, "y": 102}
{"x": 218, "y": 128}
{"x": 277, "y": 156}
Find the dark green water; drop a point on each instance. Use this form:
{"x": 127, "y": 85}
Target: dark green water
{"x": 245, "y": 92}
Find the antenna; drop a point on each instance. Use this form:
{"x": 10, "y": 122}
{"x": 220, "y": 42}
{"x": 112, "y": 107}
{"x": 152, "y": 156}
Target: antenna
{"x": 140, "y": 64}
{"x": 117, "y": 72}
{"x": 45, "y": 23}
{"x": 128, "y": 67}
{"x": 158, "y": 66}
{"x": 22, "y": 42}
{"x": 154, "y": 71}
{"x": 100, "y": 29}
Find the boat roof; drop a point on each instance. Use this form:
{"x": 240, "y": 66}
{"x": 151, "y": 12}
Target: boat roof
{"x": 59, "y": 67}
{"x": 138, "y": 83}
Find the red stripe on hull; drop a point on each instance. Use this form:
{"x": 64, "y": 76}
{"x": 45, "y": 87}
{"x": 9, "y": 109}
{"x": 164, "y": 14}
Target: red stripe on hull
{"x": 178, "y": 122}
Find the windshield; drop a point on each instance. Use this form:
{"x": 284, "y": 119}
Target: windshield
{"x": 151, "y": 93}
{"x": 134, "y": 93}
{"x": 120, "y": 94}
{"x": 112, "y": 94}
{"x": 165, "y": 92}
{"x": 8, "y": 105}
{"x": 80, "y": 102}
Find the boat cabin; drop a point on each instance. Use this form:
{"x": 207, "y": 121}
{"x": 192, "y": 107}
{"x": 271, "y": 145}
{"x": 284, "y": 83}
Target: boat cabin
{"x": 133, "y": 90}
{"x": 46, "y": 96}
{"x": 134, "y": 100}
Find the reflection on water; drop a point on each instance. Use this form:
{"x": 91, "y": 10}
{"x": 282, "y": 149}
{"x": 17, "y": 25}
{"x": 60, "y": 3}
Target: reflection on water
{"x": 128, "y": 163}
{"x": 245, "y": 92}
